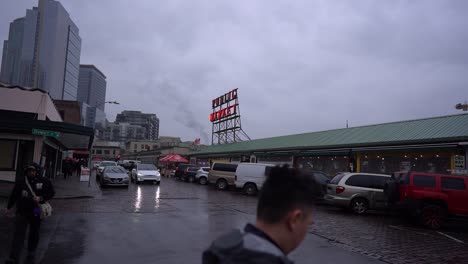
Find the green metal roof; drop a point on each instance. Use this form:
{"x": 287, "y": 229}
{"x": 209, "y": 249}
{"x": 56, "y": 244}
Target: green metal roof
{"x": 429, "y": 130}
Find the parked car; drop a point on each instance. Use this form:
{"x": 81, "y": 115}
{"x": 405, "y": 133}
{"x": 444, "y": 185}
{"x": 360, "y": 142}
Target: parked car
{"x": 145, "y": 173}
{"x": 357, "y": 191}
{"x": 189, "y": 174}
{"x": 250, "y": 176}
{"x": 114, "y": 176}
{"x": 202, "y": 175}
{"x": 431, "y": 197}
{"x": 321, "y": 181}
{"x": 102, "y": 165}
{"x": 222, "y": 175}
{"x": 180, "y": 169}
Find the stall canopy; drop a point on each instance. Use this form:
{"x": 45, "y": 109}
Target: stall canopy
{"x": 174, "y": 158}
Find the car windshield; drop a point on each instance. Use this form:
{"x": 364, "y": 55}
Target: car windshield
{"x": 114, "y": 170}
{"x": 107, "y": 163}
{"x": 147, "y": 167}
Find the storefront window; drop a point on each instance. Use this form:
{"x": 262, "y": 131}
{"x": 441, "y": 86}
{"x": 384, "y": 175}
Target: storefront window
{"x": 330, "y": 165}
{"x": 7, "y": 154}
{"x": 279, "y": 160}
{"x": 388, "y": 163}
{"x": 106, "y": 152}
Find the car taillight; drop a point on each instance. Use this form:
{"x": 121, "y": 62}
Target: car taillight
{"x": 340, "y": 189}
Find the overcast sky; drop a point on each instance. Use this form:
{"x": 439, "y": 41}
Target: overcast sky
{"x": 300, "y": 66}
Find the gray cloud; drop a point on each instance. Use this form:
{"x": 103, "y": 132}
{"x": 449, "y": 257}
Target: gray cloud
{"x": 300, "y": 66}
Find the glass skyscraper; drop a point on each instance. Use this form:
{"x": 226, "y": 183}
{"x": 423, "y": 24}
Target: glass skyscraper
{"x": 43, "y": 51}
{"x": 92, "y": 86}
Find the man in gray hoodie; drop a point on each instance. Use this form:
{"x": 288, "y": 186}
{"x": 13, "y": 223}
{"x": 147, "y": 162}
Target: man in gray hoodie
{"x": 284, "y": 213}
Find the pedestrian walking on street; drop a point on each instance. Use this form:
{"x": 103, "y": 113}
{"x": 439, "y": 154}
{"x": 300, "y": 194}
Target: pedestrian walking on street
{"x": 284, "y": 213}
{"x": 66, "y": 167}
{"x": 28, "y": 212}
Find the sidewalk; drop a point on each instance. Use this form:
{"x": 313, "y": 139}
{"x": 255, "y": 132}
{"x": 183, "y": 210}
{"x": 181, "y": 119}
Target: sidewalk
{"x": 71, "y": 188}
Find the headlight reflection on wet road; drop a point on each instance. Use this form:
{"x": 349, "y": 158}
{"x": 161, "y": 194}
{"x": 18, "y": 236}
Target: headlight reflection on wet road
{"x": 138, "y": 199}
{"x": 156, "y": 199}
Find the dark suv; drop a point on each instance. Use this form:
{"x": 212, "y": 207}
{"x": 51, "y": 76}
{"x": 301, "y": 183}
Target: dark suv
{"x": 430, "y": 197}
{"x": 181, "y": 169}
{"x": 189, "y": 174}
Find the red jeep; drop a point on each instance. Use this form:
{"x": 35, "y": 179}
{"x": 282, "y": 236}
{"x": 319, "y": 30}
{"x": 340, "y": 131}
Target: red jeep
{"x": 432, "y": 197}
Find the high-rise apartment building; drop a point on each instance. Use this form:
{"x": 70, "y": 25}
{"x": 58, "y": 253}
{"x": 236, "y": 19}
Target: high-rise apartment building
{"x": 92, "y": 86}
{"x": 149, "y": 121}
{"x": 122, "y": 132}
{"x": 43, "y": 51}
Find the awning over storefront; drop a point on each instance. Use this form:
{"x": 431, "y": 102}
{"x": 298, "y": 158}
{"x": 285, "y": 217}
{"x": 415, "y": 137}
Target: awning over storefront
{"x": 69, "y": 136}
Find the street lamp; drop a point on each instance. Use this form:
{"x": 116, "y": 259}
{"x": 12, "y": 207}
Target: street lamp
{"x": 463, "y": 107}
{"x": 108, "y": 102}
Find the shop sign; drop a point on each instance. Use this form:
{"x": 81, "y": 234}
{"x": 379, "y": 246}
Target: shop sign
{"x": 459, "y": 162}
{"x": 45, "y": 133}
{"x": 221, "y": 107}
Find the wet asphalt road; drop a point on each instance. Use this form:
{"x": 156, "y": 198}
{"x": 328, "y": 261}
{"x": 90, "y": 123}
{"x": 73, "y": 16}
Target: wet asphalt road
{"x": 176, "y": 221}
{"x": 170, "y": 223}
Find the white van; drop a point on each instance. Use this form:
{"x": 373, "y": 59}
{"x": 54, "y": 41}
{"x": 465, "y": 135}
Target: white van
{"x": 250, "y": 176}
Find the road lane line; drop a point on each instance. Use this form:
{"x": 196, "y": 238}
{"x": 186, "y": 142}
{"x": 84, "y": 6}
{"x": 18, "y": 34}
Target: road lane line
{"x": 451, "y": 237}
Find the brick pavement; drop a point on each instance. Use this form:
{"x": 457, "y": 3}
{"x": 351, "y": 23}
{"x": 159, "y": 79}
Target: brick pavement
{"x": 388, "y": 238}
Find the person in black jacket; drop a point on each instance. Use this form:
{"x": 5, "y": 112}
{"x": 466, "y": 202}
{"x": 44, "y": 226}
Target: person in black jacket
{"x": 28, "y": 211}
{"x": 284, "y": 212}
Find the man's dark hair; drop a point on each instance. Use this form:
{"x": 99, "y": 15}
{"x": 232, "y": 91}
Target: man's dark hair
{"x": 284, "y": 189}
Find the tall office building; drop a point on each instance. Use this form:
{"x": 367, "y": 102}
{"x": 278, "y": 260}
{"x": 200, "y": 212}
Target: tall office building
{"x": 92, "y": 86}
{"x": 18, "y": 50}
{"x": 149, "y": 121}
{"x": 43, "y": 51}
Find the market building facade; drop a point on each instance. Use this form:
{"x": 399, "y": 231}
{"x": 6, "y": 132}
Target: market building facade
{"x": 437, "y": 145}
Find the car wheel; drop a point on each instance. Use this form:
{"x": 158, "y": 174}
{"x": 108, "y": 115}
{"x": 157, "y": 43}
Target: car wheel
{"x": 432, "y": 216}
{"x": 221, "y": 184}
{"x": 158, "y": 182}
{"x": 203, "y": 181}
{"x": 250, "y": 189}
{"x": 191, "y": 179}
{"x": 359, "y": 206}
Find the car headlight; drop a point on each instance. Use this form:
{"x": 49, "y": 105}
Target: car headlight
{"x": 106, "y": 177}
{"x": 140, "y": 174}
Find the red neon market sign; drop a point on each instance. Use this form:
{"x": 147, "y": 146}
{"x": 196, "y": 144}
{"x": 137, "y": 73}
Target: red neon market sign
{"x": 225, "y": 112}
{"x": 232, "y": 95}
{"x": 221, "y": 107}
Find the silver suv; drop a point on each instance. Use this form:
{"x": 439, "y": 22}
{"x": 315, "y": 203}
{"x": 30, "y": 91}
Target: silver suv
{"x": 357, "y": 191}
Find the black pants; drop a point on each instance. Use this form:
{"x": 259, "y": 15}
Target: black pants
{"x": 21, "y": 225}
